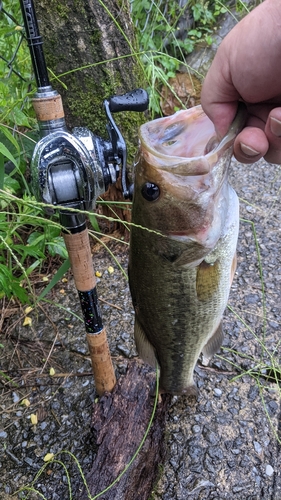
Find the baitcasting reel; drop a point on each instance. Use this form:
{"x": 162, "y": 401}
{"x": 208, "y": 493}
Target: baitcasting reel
{"x": 73, "y": 169}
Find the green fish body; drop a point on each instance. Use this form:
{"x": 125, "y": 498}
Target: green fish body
{"x": 183, "y": 241}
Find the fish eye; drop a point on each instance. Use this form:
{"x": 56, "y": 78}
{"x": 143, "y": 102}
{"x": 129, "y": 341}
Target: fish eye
{"x": 150, "y": 191}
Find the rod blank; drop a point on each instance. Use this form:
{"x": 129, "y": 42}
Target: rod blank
{"x": 35, "y": 43}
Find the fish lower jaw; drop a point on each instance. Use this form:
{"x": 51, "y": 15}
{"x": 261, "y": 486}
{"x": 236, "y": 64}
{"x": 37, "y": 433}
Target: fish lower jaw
{"x": 208, "y": 241}
{"x": 182, "y": 237}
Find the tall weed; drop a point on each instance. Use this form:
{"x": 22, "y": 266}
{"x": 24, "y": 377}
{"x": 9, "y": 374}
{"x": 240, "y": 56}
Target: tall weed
{"x": 168, "y": 31}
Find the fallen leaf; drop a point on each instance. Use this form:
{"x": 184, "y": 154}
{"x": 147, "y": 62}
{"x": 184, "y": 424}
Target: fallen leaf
{"x": 27, "y": 321}
{"x": 25, "y": 402}
{"x": 33, "y": 418}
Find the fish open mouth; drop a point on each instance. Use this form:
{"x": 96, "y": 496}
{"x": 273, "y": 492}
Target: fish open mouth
{"x": 188, "y": 134}
{"x": 182, "y": 135}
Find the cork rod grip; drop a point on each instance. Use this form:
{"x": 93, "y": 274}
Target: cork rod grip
{"x": 101, "y": 362}
{"x": 48, "y": 108}
{"x": 79, "y": 251}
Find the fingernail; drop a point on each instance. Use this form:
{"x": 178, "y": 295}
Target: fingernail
{"x": 275, "y": 126}
{"x": 248, "y": 151}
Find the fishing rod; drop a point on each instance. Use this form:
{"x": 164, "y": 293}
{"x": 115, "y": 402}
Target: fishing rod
{"x": 71, "y": 170}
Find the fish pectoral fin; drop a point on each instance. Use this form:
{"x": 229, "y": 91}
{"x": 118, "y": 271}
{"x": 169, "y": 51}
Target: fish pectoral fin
{"x": 213, "y": 345}
{"x": 207, "y": 280}
{"x": 144, "y": 347}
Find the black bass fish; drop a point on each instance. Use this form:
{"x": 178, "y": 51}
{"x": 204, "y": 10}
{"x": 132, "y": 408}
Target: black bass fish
{"x": 183, "y": 241}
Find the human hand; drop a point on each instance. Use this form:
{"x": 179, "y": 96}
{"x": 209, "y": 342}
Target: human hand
{"x": 247, "y": 67}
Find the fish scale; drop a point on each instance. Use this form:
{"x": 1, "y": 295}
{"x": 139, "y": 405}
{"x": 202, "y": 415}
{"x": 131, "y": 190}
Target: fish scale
{"x": 180, "y": 273}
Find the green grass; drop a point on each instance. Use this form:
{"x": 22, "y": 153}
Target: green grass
{"x": 27, "y": 238}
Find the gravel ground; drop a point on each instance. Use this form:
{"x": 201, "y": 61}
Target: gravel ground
{"x": 225, "y": 444}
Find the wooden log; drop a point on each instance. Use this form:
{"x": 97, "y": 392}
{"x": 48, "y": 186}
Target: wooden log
{"x": 119, "y": 422}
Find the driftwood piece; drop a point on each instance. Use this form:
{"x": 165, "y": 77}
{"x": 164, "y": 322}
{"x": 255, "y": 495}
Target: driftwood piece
{"x": 119, "y": 423}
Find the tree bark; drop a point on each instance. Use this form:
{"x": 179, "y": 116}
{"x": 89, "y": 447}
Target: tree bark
{"x": 119, "y": 423}
{"x": 89, "y": 46}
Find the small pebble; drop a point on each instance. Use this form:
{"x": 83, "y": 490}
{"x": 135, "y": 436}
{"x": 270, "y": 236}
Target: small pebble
{"x": 124, "y": 350}
{"x": 29, "y": 461}
{"x": 269, "y": 470}
{"x": 257, "y": 447}
{"x": 249, "y": 208}
{"x": 237, "y": 489}
{"x": 217, "y": 392}
{"x": 196, "y": 428}
{"x": 16, "y": 397}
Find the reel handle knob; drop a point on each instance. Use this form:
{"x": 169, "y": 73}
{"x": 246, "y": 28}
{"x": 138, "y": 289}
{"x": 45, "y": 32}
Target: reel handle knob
{"x": 136, "y": 100}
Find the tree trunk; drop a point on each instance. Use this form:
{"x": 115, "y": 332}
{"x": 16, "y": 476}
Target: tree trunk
{"x": 89, "y": 47}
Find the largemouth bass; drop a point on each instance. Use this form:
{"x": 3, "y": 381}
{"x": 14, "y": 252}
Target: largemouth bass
{"x": 183, "y": 240}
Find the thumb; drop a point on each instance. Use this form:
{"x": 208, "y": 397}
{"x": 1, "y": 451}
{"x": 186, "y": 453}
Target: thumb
{"x": 219, "y": 97}
{"x": 221, "y": 114}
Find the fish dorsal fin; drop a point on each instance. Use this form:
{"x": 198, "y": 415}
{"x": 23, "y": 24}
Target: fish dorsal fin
{"x": 213, "y": 345}
{"x": 207, "y": 280}
{"x": 145, "y": 349}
